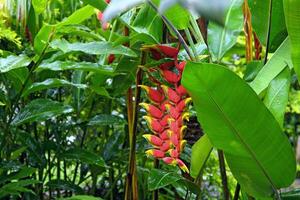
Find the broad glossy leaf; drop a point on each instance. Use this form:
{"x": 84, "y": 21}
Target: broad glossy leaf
{"x": 95, "y": 48}
{"x": 158, "y": 178}
{"x": 260, "y": 17}
{"x": 292, "y": 18}
{"x": 221, "y": 39}
{"x": 40, "y": 110}
{"x": 277, "y": 95}
{"x": 50, "y": 83}
{"x": 83, "y": 156}
{"x": 274, "y": 66}
{"x": 200, "y": 152}
{"x": 13, "y": 62}
{"x": 70, "y": 65}
{"x": 105, "y": 120}
{"x": 39, "y": 5}
{"x": 237, "y": 122}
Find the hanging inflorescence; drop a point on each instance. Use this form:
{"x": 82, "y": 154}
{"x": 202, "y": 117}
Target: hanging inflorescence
{"x": 168, "y": 108}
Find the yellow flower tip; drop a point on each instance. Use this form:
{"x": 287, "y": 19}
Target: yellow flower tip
{"x": 182, "y": 144}
{"x": 188, "y": 100}
{"x": 169, "y": 132}
{"x": 149, "y": 152}
{"x": 170, "y": 120}
{"x": 186, "y": 116}
{"x": 144, "y": 87}
{"x": 147, "y": 137}
{"x": 184, "y": 169}
{"x": 182, "y": 129}
{"x": 165, "y": 88}
{"x": 168, "y": 106}
{"x": 144, "y": 105}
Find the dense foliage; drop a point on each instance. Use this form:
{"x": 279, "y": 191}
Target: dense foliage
{"x": 141, "y": 99}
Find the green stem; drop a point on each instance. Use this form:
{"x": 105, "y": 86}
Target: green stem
{"x": 269, "y": 31}
{"x": 226, "y": 192}
{"x": 196, "y": 28}
{"x": 192, "y": 45}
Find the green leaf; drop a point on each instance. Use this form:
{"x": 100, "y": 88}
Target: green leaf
{"x": 13, "y": 62}
{"x": 50, "y": 83}
{"x": 260, "y": 19}
{"x": 83, "y": 156}
{"x": 81, "y": 197}
{"x": 65, "y": 185}
{"x": 179, "y": 17}
{"x": 99, "y": 4}
{"x": 237, "y": 122}
{"x": 105, "y": 120}
{"x": 78, "y": 16}
{"x": 47, "y": 32}
{"x": 70, "y": 65}
{"x": 274, "y": 66}
{"x": 277, "y": 95}
{"x": 39, "y": 5}
{"x": 221, "y": 39}
{"x": 200, "y": 152}
{"x": 40, "y": 110}
{"x": 158, "y": 178}
{"x": 95, "y": 48}
{"x": 43, "y": 37}
{"x": 292, "y": 18}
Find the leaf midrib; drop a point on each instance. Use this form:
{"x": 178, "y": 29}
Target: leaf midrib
{"x": 231, "y": 126}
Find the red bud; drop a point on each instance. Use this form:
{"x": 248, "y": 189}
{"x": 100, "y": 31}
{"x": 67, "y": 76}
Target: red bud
{"x": 182, "y": 166}
{"x": 171, "y": 94}
{"x": 181, "y": 90}
{"x": 154, "y": 124}
{"x": 169, "y": 161}
{"x": 111, "y": 58}
{"x": 171, "y": 77}
{"x": 153, "y": 111}
{"x": 153, "y": 94}
{"x": 168, "y": 51}
{"x": 166, "y": 66}
{"x": 165, "y": 146}
{"x": 154, "y": 140}
{"x": 181, "y": 66}
{"x": 173, "y": 153}
{"x": 155, "y": 153}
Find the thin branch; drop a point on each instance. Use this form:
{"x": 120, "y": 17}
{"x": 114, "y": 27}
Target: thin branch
{"x": 223, "y": 175}
{"x": 269, "y": 31}
{"x": 237, "y": 191}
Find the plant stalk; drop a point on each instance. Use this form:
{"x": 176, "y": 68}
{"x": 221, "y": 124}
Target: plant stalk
{"x": 222, "y": 166}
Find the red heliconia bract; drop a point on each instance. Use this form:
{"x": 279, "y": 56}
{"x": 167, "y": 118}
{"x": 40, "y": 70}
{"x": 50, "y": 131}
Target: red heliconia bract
{"x": 167, "y": 113}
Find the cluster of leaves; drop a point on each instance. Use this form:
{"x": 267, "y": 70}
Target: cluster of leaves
{"x": 66, "y": 108}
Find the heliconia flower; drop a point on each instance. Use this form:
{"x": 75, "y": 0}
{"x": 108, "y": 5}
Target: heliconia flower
{"x": 155, "y": 153}
{"x": 169, "y": 160}
{"x": 153, "y": 111}
{"x": 181, "y": 90}
{"x": 171, "y": 77}
{"x": 181, "y": 66}
{"x": 167, "y": 112}
{"x": 171, "y": 94}
{"x": 154, "y": 140}
{"x": 111, "y": 58}
{"x": 167, "y": 65}
{"x": 170, "y": 52}
{"x": 182, "y": 166}
{"x": 154, "y": 124}
{"x": 107, "y": 1}
{"x": 154, "y": 95}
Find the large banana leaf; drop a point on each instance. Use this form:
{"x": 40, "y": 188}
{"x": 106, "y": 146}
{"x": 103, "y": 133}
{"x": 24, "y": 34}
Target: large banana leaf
{"x": 237, "y": 122}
